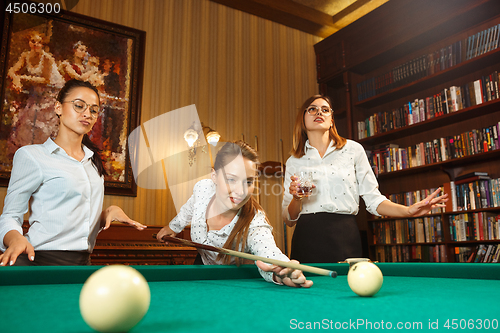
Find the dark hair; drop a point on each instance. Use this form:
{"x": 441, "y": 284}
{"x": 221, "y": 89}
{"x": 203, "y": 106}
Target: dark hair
{"x": 63, "y": 93}
{"x": 300, "y": 132}
{"x": 237, "y": 239}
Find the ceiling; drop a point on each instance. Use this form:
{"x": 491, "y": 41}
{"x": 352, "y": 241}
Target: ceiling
{"x": 317, "y": 17}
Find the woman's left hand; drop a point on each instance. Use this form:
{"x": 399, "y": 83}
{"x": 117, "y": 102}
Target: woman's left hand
{"x": 288, "y": 276}
{"x": 115, "y": 213}
{"x": 423, "y": 207}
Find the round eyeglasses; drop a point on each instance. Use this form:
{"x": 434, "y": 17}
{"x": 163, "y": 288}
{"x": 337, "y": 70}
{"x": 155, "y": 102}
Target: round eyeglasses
{"x": 313, "y": 110}
{"x": 80, "y": 107}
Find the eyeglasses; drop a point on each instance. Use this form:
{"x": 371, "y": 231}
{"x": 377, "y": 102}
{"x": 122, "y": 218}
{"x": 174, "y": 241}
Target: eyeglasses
{"x": 80, "y": 107}
{"x": 313, "y": 110}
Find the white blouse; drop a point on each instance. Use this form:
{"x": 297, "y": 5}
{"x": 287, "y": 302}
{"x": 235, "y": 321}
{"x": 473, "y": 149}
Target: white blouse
{"x": 260, "y": 239}
{"x": 341, "y": 176}
{"x": 67, "y": 198}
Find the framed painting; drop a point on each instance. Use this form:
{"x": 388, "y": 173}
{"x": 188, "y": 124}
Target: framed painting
{"x": 39, "y": 53}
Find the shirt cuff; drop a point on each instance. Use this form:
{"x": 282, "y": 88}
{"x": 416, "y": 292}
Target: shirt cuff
{"x": 175, "y": 227}
{"x": 374, "y": 211}
{"x": 287, "y": 215}
{"x": 4, "y": 232}
{"x": 268, "y": 276}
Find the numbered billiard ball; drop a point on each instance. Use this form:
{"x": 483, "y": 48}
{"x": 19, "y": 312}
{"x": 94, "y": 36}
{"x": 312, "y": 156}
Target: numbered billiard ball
{"x": 365, "y": 278}
{"x": 114, "y": 299}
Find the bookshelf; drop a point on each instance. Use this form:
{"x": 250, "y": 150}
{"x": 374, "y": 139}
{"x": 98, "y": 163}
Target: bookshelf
{"x": 415, "y": 55}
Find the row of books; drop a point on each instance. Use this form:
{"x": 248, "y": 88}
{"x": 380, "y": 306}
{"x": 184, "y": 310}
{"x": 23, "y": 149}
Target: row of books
{"x": 417, "y": 230}
{"x": 428, "y": 64}
{"x": 481, "y": 253}
{"x": 474, "y": 226}
{"x": 477, "y": 192}
{"x": 411, "y": 253}
{"x": 446, "y": 101}
{"x": 392, "y": 158}
{"x": 483, "y": 42}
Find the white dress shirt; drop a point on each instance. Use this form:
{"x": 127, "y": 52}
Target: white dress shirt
{"x": 67, "y": 197}
{"x": 260, "y": 239}
{"x": 341, "y": 176}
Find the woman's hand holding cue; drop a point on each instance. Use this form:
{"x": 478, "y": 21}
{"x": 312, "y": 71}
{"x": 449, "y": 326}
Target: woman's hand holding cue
{"x": 288, "y": 276}
{"x": 165, "y": 231}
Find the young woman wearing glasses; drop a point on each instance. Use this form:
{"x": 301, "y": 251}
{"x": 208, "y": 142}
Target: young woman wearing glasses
{"x": 326, "y": 229}
{"x": 62, "y": 180}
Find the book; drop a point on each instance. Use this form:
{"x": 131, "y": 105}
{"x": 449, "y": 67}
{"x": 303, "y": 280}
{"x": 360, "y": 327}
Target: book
{"x": 471, "y": 174}
{"x": 453, "y": 97}
{"x": 478, "y": 92}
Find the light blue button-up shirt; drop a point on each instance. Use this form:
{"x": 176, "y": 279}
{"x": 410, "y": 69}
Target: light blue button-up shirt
{"x": 67, "y": 197}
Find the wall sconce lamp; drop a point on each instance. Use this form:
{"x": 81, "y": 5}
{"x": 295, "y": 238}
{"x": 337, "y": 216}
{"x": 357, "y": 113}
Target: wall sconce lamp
{"x": 212, "y": 136}
{"x": 192, "y": 136}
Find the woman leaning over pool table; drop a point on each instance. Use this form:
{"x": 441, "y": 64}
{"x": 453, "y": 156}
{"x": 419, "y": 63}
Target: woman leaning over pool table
{"x": 223, "y": 213}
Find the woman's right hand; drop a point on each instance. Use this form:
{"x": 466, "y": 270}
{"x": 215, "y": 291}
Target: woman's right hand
{"x": 165, "y": 231}
{"x": 294, "y": 185}
{"x": 16, "y": 245}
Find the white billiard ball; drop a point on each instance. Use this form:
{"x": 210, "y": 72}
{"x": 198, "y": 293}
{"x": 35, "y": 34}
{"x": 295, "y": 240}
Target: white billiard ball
{"x": 114, "y": 299}
{"x": 365, "y": 278}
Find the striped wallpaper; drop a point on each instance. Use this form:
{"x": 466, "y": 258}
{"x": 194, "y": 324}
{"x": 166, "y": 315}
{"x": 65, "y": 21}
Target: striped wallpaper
{"x": 246, "y": 76}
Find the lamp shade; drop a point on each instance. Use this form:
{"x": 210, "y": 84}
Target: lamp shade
{"x": 190, "y": 136}
{"x": 213, "y": 137}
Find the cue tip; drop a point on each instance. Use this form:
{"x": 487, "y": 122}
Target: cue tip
{"x": 333, "y": 274}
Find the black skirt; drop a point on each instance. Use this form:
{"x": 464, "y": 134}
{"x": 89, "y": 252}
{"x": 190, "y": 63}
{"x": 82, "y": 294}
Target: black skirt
{"x": 326, "y": 238}
{"x": 55, "y": 258}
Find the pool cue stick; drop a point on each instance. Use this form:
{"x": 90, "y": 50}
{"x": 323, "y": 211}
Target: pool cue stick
{"x": 257, "y": 184}
{"x": 210, "y": 155}
{"x": 304, "y": 268}
{"x": 285, "y": 229}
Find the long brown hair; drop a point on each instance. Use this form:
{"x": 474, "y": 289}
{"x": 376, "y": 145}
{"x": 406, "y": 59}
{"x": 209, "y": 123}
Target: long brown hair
{"x": 237, "y": 239}
{"x": 300, "y": 132}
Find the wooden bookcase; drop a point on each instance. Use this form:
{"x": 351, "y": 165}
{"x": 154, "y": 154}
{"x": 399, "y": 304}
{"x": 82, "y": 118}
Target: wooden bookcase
{"x": 393, "y": 35}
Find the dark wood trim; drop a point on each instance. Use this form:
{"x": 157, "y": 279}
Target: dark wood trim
{"x": 288, "y": 13}
{"x": 349, "y": 10}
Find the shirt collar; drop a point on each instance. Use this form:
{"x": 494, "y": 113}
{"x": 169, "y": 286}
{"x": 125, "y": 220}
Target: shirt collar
{"x": 328, "y": 150}
{"x": 53, "y": 147}
{"x": 226, "y": 230}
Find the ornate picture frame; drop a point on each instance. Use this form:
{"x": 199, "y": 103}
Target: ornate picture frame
{"x": 39, "y": 53}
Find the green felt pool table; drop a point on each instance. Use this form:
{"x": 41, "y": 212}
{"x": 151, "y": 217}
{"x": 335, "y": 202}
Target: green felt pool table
{"x": 415, "y": 297}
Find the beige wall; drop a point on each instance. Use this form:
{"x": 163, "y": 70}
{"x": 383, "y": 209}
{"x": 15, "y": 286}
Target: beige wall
{"x": 245, "y": 74}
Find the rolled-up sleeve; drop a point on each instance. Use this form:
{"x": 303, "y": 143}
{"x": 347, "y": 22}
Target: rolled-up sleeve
{"x": 367, "y": 182}
{"x": 184, "y": 217}
{"x": 25, "y": 178}
{"x": 287, "y": 197}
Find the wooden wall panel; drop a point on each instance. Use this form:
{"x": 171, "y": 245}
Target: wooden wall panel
{"x": 246, "y": 76}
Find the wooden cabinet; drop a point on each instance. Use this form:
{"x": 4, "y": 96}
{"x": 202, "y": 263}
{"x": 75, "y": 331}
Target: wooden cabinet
{"x": 407, "y": 51}
{"x": 121, "y": 244}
